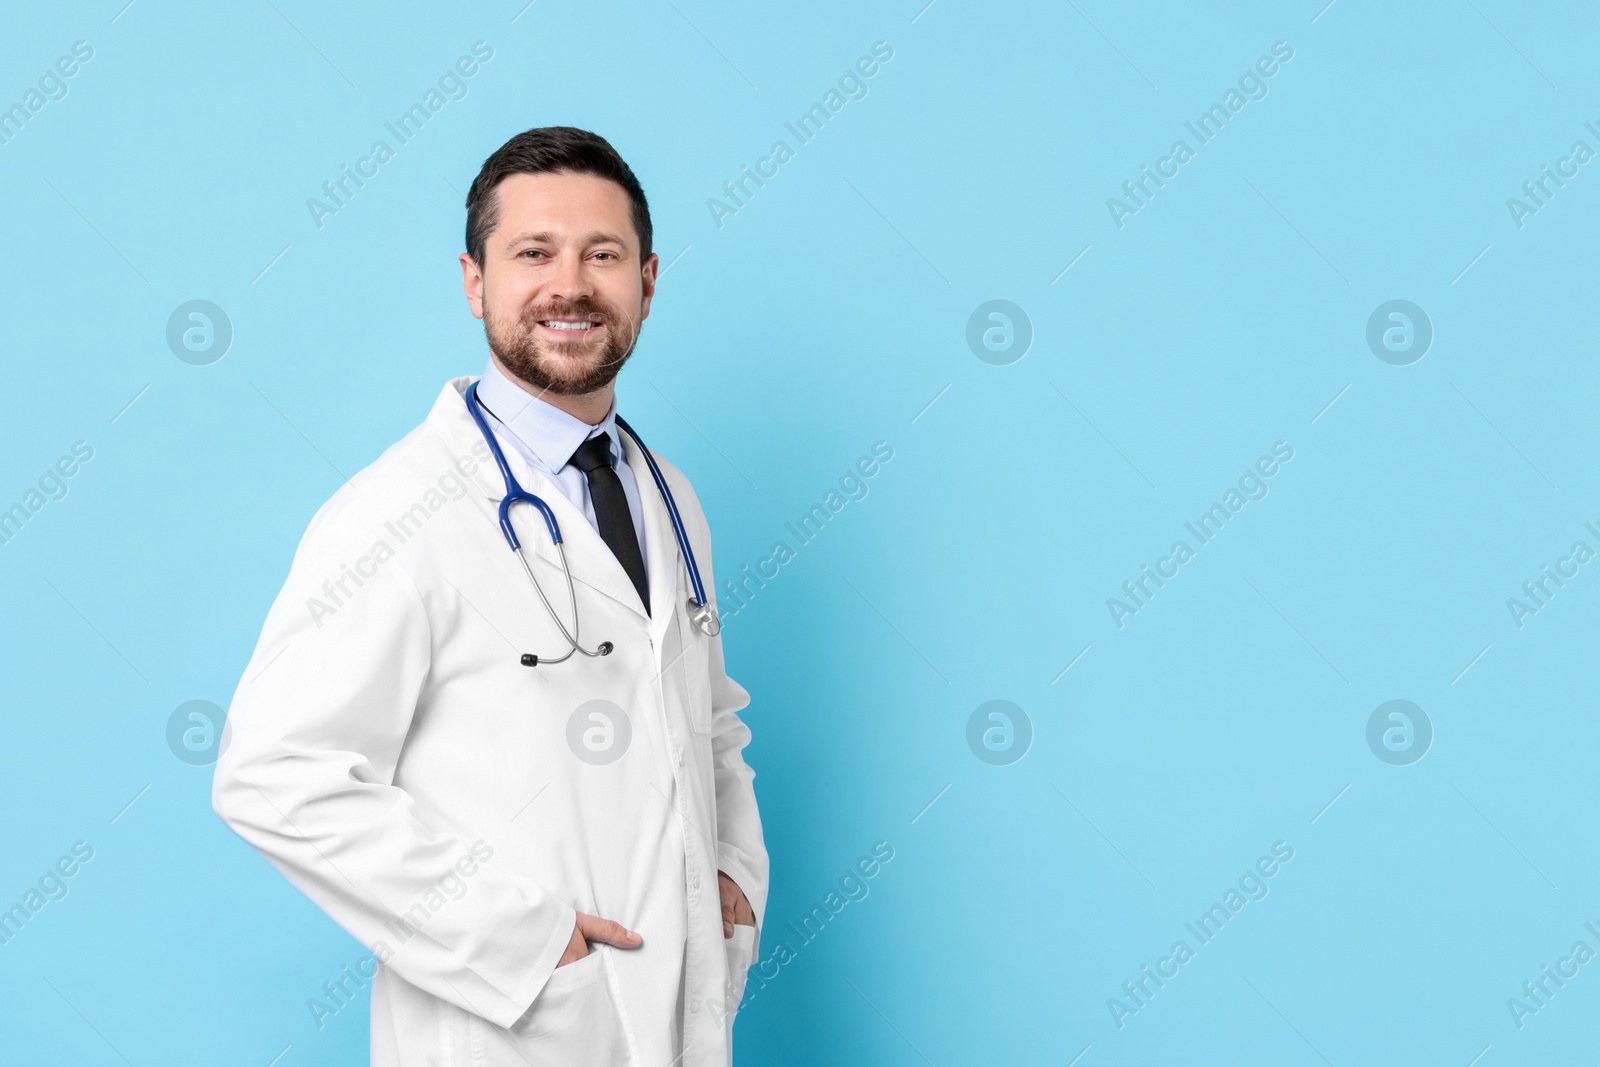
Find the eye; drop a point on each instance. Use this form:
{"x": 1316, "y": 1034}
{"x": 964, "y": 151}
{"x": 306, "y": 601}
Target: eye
{"x": 610, "y": 255}
{"x": 531, "y": 252}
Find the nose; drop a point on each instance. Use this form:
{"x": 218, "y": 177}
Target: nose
{"x": 569, "y": 279}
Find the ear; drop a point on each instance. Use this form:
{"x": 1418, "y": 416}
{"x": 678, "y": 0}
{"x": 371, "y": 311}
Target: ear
{"x": 472, "y": 284}
{"x": 648, "y": 278}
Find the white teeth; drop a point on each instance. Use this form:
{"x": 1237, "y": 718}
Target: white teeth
{"x": 569, "y": 325}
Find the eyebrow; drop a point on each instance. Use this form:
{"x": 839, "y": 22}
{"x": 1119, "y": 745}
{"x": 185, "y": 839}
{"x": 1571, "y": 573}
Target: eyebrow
{"x": 595, "y": 237}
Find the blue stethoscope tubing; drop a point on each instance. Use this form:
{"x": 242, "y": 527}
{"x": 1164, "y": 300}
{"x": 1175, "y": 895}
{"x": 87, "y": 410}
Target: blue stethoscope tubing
{"x": 700, "y": 610}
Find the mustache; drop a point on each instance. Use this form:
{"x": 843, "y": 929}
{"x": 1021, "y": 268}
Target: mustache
{"x": 586, "y": 310}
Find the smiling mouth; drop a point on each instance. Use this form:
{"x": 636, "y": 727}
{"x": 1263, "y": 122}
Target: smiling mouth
{"x": 571, "y": 327}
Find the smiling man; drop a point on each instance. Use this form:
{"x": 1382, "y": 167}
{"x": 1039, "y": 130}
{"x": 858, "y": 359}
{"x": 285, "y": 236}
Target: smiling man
{"x": 517, "y": 776}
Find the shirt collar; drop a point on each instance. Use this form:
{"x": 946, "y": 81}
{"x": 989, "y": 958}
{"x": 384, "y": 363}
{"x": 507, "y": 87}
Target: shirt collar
{"x": 550, "y": 434}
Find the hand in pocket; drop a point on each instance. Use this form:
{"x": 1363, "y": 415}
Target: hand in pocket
{"x": 593, "y": 928}
{"x": 736, "y": 909}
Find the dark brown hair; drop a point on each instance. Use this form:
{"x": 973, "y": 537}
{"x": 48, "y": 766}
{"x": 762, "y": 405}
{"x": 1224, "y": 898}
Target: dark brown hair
{"x": 544, "y": 150}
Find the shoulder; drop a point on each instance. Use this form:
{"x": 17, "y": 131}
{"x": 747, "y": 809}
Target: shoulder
{"x": 407, "y": 474}
{"x": 688, "y": 501}
{"x": 679, "y": 482}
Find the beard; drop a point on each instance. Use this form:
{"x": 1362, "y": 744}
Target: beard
{"x": 553, "y": 365}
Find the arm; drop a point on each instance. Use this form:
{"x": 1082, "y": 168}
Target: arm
{"x": 316, "y": 730}
{"x": 741, "y": 852}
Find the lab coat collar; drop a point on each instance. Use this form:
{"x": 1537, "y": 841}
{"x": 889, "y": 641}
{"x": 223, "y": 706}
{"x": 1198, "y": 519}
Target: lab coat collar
{"x": 590, "y": 558}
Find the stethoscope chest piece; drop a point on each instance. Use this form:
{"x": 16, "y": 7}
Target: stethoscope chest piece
{"x": 704, "y": 617}
{"x": 530, "y": 660}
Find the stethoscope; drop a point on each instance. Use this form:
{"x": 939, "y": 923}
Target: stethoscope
{"x": 701, "y": 613}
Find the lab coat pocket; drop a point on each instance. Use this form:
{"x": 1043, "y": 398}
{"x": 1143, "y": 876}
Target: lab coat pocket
{"x": 573, "y": 1020}
{"x": 741, "y": 952}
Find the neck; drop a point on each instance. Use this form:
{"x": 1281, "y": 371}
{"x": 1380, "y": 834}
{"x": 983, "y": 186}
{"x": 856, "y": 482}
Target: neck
{"x": 588, "y": 407}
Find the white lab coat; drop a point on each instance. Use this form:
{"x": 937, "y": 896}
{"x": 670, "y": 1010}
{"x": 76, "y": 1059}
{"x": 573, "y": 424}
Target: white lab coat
{"x": 451, "y": 808}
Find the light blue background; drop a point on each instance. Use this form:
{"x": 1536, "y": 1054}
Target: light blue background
{"x": 823, "y": 317}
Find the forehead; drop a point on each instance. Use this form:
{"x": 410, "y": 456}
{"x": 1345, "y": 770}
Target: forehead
{"x": 564, "y": 205}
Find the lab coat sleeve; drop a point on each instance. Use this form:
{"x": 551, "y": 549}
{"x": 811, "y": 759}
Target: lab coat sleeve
{"x": 314, "y": 735}
{"x": 741, "y": 852}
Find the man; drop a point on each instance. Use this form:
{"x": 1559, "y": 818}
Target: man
{"x": 554, "y": 859}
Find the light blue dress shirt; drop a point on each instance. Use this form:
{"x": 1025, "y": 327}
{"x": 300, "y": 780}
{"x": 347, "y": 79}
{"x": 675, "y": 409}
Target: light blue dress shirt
{"x": 546, "y": 437}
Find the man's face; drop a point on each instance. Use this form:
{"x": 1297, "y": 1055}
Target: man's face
{"x": 562, "y": 293}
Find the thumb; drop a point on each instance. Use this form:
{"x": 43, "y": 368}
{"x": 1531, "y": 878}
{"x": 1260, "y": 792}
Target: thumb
{"x": 595, "y": 928}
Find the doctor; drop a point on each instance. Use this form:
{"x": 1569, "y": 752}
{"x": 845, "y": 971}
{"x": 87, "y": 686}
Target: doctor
{"x": 553, "y": 861}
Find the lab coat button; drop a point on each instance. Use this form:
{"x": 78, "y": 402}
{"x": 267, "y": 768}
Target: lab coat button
{"x": 694, "y": 1005}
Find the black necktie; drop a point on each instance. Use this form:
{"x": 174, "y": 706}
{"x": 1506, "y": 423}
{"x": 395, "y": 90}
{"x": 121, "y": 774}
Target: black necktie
{"x": 593, "y": 458}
